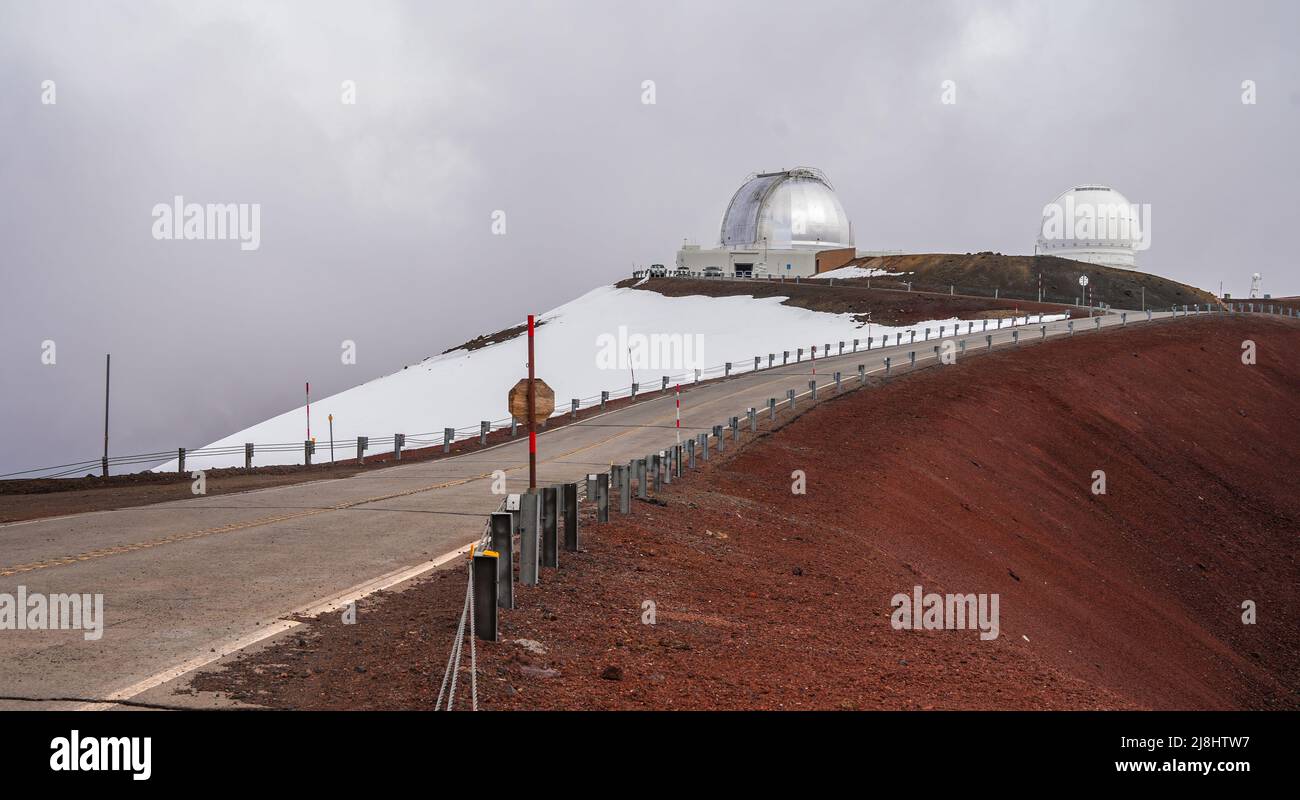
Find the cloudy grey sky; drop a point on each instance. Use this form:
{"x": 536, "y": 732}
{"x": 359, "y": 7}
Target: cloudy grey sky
{"x": 376, "y": 217}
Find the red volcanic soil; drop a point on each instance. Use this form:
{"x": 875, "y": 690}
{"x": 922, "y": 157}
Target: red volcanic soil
{"x": 972, "y": 478}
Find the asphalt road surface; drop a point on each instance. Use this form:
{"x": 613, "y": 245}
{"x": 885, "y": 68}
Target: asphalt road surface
{"x": 186, "y": 582}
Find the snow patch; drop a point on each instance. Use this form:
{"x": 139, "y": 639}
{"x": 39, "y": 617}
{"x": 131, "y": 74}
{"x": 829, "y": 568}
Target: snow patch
{"x": 462, "y": 387}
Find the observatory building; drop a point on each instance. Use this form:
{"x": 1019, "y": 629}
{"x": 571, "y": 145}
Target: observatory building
{"x": 1095, "y": 224}
{"x": 778, "y": 223}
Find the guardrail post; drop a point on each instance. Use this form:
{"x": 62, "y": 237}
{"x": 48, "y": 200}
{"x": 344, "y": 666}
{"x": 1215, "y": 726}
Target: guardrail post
{"x": 837, "y": 382}
{"x": 757, "y": 361}
{"x": 963, "y": 347}
{"x": 789, "y": 397}
{"x": 180, "y": 460}
{"x": 573, "y": 408}
{"x": 361, "y": 449}
{"x": 690, "y": 452}
{"x": 591, "y": 487}
{"x": 882, "y": 342}
{"x": 550, "y": 513}
{"x": 399, "y": 441}
{"x": 602, "y": 497}
{"x": 1044, "y": 329}
{"x": 639, "y": 467}
{"x": 664, "y": 384}
{"x": 668, "y": 466}
{"x": 886, "y": 366}
{"x": 448, "y": 436}
{"x": 855, "y": 345}
{"x": 248, "y": 455}
{"x": 483, "y": 427}
{"x": 624, "y": 489}
{"x": 841, "y": 352}
{"x": 306, "y": 454}
{"x": 704, "y": 446}
{"x": 570, "y": 493}
{"x": 656, "y": 471}
{"x": 726, "y": 373}
{"x": 753, "y": 420}
{"x": 484, "y": 574}
{"x": 771, "y": 408}
{"x": 528, "y": 519}
{"x": 911, "y": 336}
{"x": 1097, "y": 323}
{"x": 719, "y": 438}
{"x": 812, "y": 385}
{"x": 862, "y": 373}
{"x": 634, "y": 391}
{"x": 989, "y": 340}
{"x": 798, "y": 355}
{"x": 771, "y": 360}
{"x": 735, "y": 429}
{"x": 604, "y": 398}
{"x": 1148, "y": 315}
{"x": 785, "y": 357}
{"x": 1015, "y": 338}
{"x": 912, "y": 355}
{"x": 1070, "y": 326}
{"x": 501, "y": 523}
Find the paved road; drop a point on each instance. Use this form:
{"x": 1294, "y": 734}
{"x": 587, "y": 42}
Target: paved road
{"x": 184, "y": 582}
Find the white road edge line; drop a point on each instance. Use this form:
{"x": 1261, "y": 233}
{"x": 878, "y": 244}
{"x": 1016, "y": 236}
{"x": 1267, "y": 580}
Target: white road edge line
{"x": 276, "y": 626}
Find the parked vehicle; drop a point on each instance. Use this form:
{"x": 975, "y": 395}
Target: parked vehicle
{"x": 713, "y": 272}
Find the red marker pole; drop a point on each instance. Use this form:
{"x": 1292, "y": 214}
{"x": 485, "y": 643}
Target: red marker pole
{"x": 532, "y": 428}
{"x": 309, "y": 411}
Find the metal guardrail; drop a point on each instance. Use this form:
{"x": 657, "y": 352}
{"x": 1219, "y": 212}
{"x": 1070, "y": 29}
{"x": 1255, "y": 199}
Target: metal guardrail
{"x": 739, "y": 366}
{"x": 535, "y": 523}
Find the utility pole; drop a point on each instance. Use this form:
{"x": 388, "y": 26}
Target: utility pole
{"x": 108, "y": 363}
{"x": 309, "y": 411}
{"x": 532, "y": 425}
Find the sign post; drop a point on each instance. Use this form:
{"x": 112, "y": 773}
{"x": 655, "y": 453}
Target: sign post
{"x": 532, "y": 410}
{"x": 531, "y": 401}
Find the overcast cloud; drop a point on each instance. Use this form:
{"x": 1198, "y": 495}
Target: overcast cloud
{"x": 376, "y": 217}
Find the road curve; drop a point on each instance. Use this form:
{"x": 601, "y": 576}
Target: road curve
{"x": 185, "y": 582}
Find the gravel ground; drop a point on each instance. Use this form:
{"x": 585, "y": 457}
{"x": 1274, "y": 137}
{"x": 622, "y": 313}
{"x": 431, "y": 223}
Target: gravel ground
{"x": 973, "y": 478}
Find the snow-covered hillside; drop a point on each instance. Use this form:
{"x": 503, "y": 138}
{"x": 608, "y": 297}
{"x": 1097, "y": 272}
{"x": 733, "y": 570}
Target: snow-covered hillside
{"x": 460, "y": 388}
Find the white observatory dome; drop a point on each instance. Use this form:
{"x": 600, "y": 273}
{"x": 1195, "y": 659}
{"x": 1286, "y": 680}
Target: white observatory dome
{"x": 1095, "y": 224}
{"x": 794, "y": 209}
